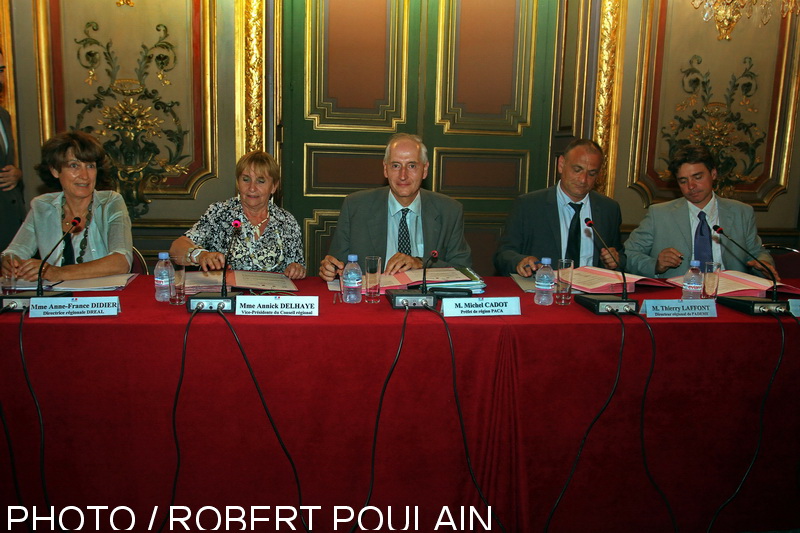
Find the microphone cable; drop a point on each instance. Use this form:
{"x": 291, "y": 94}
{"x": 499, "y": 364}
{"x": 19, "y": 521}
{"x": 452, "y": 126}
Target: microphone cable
{"x": 762, "y": 409}
{"x": 591, "y": 424}
{"x": 38, "y": 414}
{"x": 269, "y": 416}
{"x": 380, "y": 408}
{"x": 650, "y": 477}
{"x": 461, "y": 418}
{"x": 175, "y": 418}
{"x": 13, "y": 463}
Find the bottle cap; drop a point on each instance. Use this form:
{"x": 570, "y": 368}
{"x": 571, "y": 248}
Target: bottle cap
{"x": 694, "y": 263}
{"x": 163, "y": 255}
{"x": 546, "y": 261}
{"x": 352, "y": 258}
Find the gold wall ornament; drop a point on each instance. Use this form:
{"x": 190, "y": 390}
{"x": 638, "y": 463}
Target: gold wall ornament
{"x": 133, "y": 116}
{"x": 121, "y": 3}
{"x": 609, "y": 86}
{"x": 726, "y": 13}
{"x": 727, "y": 128}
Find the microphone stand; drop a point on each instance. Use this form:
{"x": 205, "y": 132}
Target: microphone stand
{"x": 753, "y": 305}
{"x": 22, "y": 299}
{"x": 601, "y": 304}
{"x": 211, "y": 302}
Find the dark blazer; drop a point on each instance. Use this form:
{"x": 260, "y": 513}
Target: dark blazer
{"x": 667, "y": 226}
{"x": 533, "y": 228}
{"x": 362, "y": 227}
{"x": 12, "y": 204}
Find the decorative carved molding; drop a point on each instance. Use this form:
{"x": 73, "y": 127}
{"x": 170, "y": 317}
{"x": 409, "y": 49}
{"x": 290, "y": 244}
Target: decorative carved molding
{"x": 250, "y": 76}
{"x": 609, "y": 87}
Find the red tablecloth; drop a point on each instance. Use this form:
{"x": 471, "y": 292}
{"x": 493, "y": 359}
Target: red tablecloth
{"x": 529, "y": 386}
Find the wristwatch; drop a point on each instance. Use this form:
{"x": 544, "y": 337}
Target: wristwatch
{"x": 194, "y": 254}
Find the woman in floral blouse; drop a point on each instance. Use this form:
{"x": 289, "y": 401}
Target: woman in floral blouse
{"x": 270, "y": 237}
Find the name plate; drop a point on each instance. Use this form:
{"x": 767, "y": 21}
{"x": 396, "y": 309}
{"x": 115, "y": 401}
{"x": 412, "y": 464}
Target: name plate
{"x": 74, "y": 306}
{"x": 480, "y": 306}
{"x": 794, "y": 306}
{"x": 278, "y": 305}
{"x": 679, "y": 308}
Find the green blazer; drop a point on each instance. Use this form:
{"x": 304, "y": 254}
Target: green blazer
{"x": 362, "y": 227}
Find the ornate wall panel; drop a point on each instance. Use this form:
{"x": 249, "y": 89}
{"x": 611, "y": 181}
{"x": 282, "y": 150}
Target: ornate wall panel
{"x": 738, "y": 99}
{"x": 318, "y": 232}
{"x": 485, "y": 76}
{"x": 480, "y": 173}
{"x": 338, "y": 170}
{"x": 141, "y": 77}
{"x": 356, "y": 64}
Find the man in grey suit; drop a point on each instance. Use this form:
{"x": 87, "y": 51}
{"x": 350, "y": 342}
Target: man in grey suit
{"x": 550, "y": 222}
{"x": 673, "y": 233}
{"x": 12, "y": 204}
{"x": 401, "y": 222}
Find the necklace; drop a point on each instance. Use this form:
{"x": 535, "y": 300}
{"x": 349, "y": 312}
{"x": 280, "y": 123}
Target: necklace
{"x": 82, "y": 250}
{"x": 257, "y": 227}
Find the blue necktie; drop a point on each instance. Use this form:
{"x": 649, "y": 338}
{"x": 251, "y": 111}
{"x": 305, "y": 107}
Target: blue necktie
{"x": 403, "y": 238}
{"x": 702, "y": 241}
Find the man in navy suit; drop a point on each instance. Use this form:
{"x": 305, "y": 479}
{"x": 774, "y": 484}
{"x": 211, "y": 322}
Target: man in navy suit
{"x": 402, "y": 222}
{"x": 12, "y": 206}
{"x": 550, "y": 222}
{"x": 672, "y": 233}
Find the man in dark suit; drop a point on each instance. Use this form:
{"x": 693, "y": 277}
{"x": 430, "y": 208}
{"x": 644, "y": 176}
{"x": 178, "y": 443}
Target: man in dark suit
{"x": 550, "y": 222}
{"x": 674, "y": 233}
{"x": 12, "y": 205}
{"x": 401, "y": 222}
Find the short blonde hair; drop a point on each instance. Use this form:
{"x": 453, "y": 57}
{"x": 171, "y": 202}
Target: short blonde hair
{"x": 263, "y": 164}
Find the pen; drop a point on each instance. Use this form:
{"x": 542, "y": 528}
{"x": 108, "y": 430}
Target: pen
{"x": 535, "y": 263}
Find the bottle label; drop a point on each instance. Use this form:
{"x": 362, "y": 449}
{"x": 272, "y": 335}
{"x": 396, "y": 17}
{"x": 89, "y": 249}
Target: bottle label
{"x": 692, "y": 287}
{"x": 544, "y": 285}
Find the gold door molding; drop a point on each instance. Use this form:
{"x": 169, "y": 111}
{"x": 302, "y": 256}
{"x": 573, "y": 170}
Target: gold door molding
{"x": 356, "y": 65}
{"x": 484, "y": 79}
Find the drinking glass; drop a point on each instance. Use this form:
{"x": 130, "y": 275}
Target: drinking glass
{"x": 10, "y": 278}
{"x": 563, "y": 292}
{"x": 177, "y": 293}
{"x": 710, "y": 279}
{"x": 372, "y": 278}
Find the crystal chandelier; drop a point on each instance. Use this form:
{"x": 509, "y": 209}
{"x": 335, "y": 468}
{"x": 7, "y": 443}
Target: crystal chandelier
{"x": 726, "y": 13}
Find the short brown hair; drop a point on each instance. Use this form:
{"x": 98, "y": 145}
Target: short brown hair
{"x": 85, "y": 148}
{"x": 692, "y": 154}
{"x": 588, "y": 143}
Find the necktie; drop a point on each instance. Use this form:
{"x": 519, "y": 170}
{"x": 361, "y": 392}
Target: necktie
{"x": 403, "y": 238}
{"x": 702, "y": 241}
{"x": 574, "y": 236}
{"x": 68, "y": 257}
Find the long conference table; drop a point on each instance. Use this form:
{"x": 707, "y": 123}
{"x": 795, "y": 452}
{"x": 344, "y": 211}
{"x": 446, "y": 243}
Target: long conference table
{"x": 529, "y": 386}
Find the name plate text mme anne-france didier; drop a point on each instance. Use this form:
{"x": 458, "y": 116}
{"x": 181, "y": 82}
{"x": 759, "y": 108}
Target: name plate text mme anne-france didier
{"x": 480, "y": 306}
{"x": 679, "y": 308}
{"x": 278, "y": 305}
{"x": 74, "y": 306}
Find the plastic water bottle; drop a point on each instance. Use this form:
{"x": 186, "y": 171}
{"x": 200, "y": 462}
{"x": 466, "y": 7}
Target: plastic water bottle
{"x": 164, "y": 274}
{"x": 545, "y": 282}
{"x": 693, "y": 282}
{"x": 351, "y": 281}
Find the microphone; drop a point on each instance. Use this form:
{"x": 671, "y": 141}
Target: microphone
{"x": 39, "y": 291}
{"x": 431, "y": 260}
{"x": 211, "y": 302}
{"x": 21, "y": 300}
{"x": 605, "y": 303}
{"x": 750, "y": 304}
{"x": 237, "y": 230}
